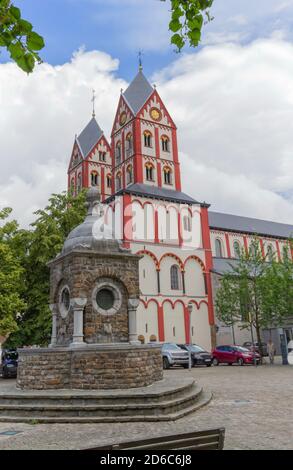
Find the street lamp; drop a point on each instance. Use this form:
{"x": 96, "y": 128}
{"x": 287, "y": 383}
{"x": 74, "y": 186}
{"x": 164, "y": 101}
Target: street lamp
{"x": 190, "y": 308}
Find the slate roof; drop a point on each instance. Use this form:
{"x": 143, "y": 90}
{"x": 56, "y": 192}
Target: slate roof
{"x": 89, "y": 137}
{"x": 157, "y": 193}
{"x": 138, "y": 92}
{"x": 223, "y": 265}
{"x": 236, "y": 223}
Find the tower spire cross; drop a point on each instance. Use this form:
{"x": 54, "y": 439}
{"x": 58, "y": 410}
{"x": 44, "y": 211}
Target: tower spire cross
{"x": 94, "y": 102}
{"x": 140, "y": 54}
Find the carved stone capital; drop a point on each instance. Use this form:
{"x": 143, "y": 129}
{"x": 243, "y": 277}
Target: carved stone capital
{"x": 78, "y": 303}
{"x": 133, "y": 303}
{"x": 54, "y": 309}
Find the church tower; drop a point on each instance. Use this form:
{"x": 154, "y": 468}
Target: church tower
{"x": 91, "y": 162}
{"x": 144, "y": 140}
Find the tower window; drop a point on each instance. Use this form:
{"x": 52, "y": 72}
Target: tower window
{"x": 118, "y": 153}
{"x": 149, "y": 172}
{"x": 167, "y": 175}
{"x": 129, "y": 145}
{"x": 109, "y": 181}
{"x": 147, "y": 139}
{"x": 102, "y": 156}
{"x": 129, "y": 174}
{"x": 94, "y": 178}
{"x": 118, "y": 182}
{"x": 79, "y": 185}
{"x": 165, "y": 144}
{"x": 174, "y": 275}
{"x": 270, "y": 253}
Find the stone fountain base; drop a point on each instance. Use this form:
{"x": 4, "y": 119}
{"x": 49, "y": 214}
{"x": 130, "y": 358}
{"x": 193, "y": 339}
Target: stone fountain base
{"x": 90, "y": 367}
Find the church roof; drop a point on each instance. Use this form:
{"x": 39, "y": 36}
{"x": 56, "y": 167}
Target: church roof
{"x": 236, "y": 223}
{"x": 89, "y": 137}
{"x": 145, "y": 190}
{"x": 138, "y": 92}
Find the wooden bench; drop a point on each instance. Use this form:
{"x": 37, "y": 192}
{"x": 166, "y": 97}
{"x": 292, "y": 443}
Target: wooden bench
{"x": 212, "y": 439}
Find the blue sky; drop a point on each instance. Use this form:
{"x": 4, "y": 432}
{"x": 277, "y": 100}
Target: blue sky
{"x": 231, "y": 98}
{"x": 122, "y": 27}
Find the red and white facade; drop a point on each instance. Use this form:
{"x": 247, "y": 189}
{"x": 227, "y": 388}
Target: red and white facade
{"x": 138, "y": 175}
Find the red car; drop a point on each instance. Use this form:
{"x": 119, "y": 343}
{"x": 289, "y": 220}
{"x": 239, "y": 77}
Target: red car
{"x": 234, "y": 355}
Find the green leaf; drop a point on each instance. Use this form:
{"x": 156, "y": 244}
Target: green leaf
{"x": 26, "y": 62}
{"x": 35, "y": 42}
{"x": 15, "y": 12}
{"x": 175, "y": 25}
{"x": 25, "y": 26}
{"x": 16, "y": 51}
{"x": 178, "y": 41}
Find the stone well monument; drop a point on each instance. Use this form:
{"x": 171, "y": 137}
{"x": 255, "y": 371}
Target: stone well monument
{"x": 94, "y": 296}
{"x": 95, "y": 370}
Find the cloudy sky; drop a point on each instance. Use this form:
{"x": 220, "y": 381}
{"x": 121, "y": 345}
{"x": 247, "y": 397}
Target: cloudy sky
{"x": 232, "y": 99}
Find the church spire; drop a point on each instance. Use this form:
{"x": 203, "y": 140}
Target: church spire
{"x": 140, "y": 61}
{"x": 93, "y": 101}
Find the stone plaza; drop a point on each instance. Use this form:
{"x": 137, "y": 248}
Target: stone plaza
{"x": 254, "y": 404}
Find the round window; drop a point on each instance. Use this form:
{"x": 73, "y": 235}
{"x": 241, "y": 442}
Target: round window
{"x": 64, "y": 301}
{"x": 105, "y": 299}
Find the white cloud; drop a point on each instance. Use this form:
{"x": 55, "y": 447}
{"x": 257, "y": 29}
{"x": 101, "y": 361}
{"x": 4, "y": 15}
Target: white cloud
{"x": 233, "y": 106}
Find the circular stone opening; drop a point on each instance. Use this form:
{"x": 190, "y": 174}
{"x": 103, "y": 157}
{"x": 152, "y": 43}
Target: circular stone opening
{"x": 105, "y": 299}
{"x": 64, "y": 302}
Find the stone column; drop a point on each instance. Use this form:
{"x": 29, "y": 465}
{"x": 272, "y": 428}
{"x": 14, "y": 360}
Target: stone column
{"x": 132, "y": 323}
{"x": 78, "y": 305}
{"x": 54, "y": 311}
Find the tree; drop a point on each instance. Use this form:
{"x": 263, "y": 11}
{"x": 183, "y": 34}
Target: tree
{"x": 187, "y": 20}
{"x": 24, "y": 44}
{"x": 18, "y": 37}
{"x": 11, "y": 272}
{"x": 256, "y": 292}
{"x": 36, "y": 247}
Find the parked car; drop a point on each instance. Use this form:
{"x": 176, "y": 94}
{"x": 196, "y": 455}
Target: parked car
{"x": 199, "y": 356}
{"x": 255, "y": 347}
{"x": 9, "y": 362}
{"x": 234, "y": 355}
{"x": 173, "y": 356}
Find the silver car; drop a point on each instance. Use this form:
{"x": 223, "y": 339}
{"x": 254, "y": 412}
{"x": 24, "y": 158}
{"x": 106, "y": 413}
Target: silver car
{"x": 174, "y": 356}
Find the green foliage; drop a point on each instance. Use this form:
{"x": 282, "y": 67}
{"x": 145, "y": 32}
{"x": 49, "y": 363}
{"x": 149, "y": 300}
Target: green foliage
{"x": 35, "y": 248}
{"x": 18, "y": 37}
{"x": 256, "y": 292}
{"x": 187, "y": 19}
{"x": 11, "y": 272}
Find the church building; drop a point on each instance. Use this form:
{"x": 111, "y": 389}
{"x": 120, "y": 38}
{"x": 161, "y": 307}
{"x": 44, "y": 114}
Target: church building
{"x": 183, "y": 246}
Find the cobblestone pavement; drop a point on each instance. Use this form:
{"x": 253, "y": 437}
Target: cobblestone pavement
{"x": 254, "y": 404}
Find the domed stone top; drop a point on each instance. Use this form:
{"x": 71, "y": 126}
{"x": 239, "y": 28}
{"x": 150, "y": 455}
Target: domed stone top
{"x": 92, "y": 234}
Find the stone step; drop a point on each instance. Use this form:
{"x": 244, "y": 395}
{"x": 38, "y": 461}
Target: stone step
{"x": 203, "y": 400}
{"x": 78, "y": 398}
{"x": 34, "y": 409}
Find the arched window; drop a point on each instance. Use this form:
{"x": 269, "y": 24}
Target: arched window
{"x": 129, "y": 144}
{"x": 285, "y": 252}
{"x": 237, "y": 250}
{"x": 167, "y": 175}
{"x": 109, "y": 181}
{"x": 72, "y": 185}
{"x": 219, "y": 250}
{"x": 147, "y": 138}
{"x": 118, "y": 153}
{"x": 94, "y": 178}
{"x": 270, "y": 253}
{"x": 129, "y": 174}
{"x": 175, "y": 277}
{"x": 118, "y": 181}
{"x": 187, "y": 223}
{"x": 165, "y": 143}
{"x": 253, "y": 248}
{"x": 102, "y": 156}
{"x": 79, "y": 183}
{"x": 150, "y": 171}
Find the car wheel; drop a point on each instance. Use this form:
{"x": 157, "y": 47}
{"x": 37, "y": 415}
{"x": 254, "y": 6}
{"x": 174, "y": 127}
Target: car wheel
{"x": 185, "y": 366}
{"x": 229, "y": 363}
{"x": 240, "y": 361}
{"x": 208, "y": 365}
{"x": 166, "y": 364}
{"x": 215, "y": 361}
